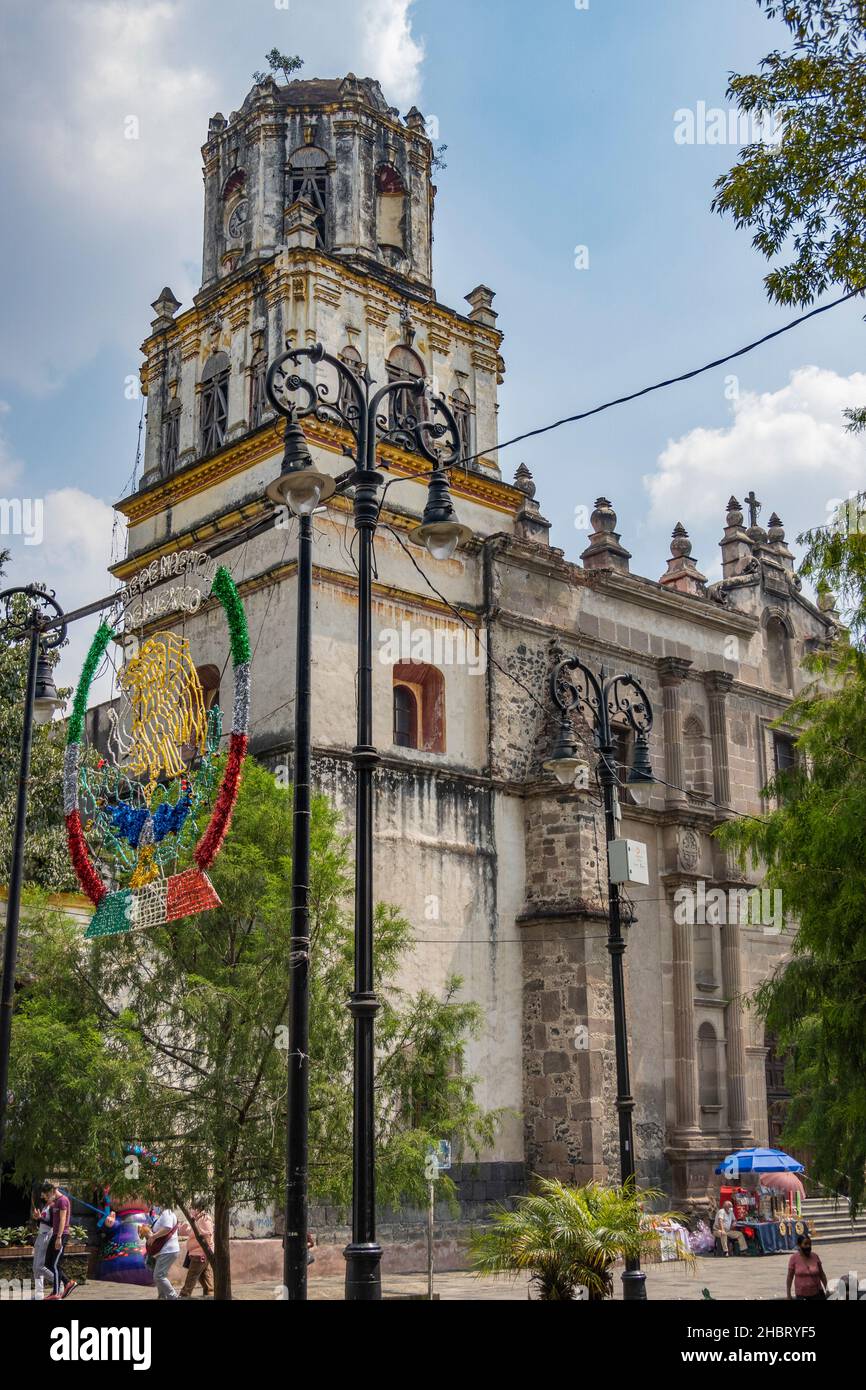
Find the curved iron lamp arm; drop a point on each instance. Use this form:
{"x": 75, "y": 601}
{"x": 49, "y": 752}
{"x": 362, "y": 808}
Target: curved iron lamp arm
{"x": 361, "y": 417}
{"x": 585, "y": 696}
{"x": 35, "y": 618}
{"x": 620, "y": 693}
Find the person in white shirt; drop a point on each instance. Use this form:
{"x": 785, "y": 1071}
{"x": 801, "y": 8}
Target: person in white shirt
{"x": 163, "y": 1247}
{"x": 722, "y": 1229}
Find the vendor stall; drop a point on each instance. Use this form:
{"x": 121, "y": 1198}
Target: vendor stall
{"x": 765, "y": 1193}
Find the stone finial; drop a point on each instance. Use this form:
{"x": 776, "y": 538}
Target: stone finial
{"x": 735, "y": 544}
{"x": 216, "y": 124}
{"x": 775, "y": 530}
{"x": 415, "y": 121}
{"x": 604, "y": 550}
{"x": 680, "y": 543}
{"x": 524, "y": 482}
{"x": 682, "y": 573}
{"x": 481, "y": 299}
{"x": 735, "y": 513}
{"x": 529, "y": 524}
{"x": 827, "y": 606}
{"x": 165, "y": 306}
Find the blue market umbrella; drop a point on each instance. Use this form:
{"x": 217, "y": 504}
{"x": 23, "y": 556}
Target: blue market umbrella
{"x": 759, "y": 1161}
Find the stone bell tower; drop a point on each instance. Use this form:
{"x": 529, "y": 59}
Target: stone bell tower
{"x": 337, "y": 146}
{"x": 318, "y": 213}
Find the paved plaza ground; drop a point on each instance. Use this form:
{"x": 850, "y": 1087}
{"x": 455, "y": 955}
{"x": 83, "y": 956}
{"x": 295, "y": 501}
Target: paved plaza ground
{"x": 735, "y": 1278}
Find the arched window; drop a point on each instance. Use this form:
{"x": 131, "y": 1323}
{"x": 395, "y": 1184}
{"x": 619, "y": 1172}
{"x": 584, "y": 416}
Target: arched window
{"x": 462, "y": 408}
{"x": 308, "y": 179}
{"x": 258, "y": 398}
{"x": 778, "y": 656}
{"x": 708, "y": 1075}
{"x": 405, "y": 717}
{"x": 402, "y": 363}
{"x": 351, "y": 358}
{"x": 214, "y": 403}
{"x": 171, "y": 436}
{"x": 209, "y": 677}
{"x": 234, "y": 184}
{"x": 390, "y": 209}
{"x": 419, "y": 705}
{"x": 696, "y": 757}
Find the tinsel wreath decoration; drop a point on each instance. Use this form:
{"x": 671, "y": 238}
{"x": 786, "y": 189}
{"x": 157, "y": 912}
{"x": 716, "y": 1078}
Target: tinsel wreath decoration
{"x": 151, "y": 833}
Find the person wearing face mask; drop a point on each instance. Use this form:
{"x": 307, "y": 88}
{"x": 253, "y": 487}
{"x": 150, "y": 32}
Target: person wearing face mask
{"x": 806, "y": 1272}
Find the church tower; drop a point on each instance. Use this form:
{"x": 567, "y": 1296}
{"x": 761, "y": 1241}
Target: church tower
{"x": 318, "y": 215}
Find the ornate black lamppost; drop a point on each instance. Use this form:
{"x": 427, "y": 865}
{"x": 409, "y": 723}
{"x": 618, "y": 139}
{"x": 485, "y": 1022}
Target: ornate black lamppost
{"x": 573, "y": 686}
{"x": 29, "y": 613}
{"x": 356, "y": 409}
{"x": 300, "y": 488}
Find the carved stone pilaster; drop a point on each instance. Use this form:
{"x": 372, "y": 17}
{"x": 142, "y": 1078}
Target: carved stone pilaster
{"x": 672, "y": 672}
{"x": 718, "y": 684}
{"x": 685, "y": 1062}
{"x": 738, "y": 1109}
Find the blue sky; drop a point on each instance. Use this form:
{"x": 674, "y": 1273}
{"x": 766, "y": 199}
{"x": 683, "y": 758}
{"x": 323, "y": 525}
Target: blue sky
{"x": 559, "y": 124}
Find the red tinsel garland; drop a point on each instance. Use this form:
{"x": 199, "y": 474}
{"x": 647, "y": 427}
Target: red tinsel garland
{"x": 80, "y": 856}
{"x": 208, "y": 846}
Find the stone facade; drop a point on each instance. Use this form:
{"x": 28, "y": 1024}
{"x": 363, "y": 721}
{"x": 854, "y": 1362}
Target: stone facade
{"x": 502, "y": 872}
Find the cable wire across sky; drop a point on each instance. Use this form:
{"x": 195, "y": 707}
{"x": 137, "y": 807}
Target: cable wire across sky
{"x": 89, "y": 609}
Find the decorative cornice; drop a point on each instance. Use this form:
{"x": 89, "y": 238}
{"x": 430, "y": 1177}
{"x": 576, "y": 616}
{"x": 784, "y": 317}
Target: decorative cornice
{"x": 203, "y": 474}
{"x": 381, "y": 302}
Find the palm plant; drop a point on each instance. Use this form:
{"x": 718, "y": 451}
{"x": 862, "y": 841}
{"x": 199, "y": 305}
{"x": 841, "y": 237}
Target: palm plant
{"x": 569, "y": 1237}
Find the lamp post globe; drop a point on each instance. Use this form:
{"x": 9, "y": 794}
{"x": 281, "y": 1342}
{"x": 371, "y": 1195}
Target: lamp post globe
{"x": 46, "y": 700}
{"x": 640, "y": 780}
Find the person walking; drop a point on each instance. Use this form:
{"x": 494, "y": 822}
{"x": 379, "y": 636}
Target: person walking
{"x": 163, "y": 1248}
{"x": 42, "y": 1215}
{"x": 198, "y": 1254}
{"x": 806, "y": 1272}
{"x": 61, "y": 1215}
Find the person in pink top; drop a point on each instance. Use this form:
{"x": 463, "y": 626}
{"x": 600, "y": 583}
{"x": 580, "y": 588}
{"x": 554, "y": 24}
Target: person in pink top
{"x": 60, "y": 1211}
{"x": 197, "y": 1262}
{"x": 806, "y": 1272}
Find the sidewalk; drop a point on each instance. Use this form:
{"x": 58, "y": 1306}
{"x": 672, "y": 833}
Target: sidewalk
{"x": 736, "y": 1278}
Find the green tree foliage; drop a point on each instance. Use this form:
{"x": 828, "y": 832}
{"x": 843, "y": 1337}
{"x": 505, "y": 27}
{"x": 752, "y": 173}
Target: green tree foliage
{"x": 568, "y": 1238}
{"x": 812, "y": 847}
{"x": 804, "y": 195}
{"x": 180, "y": 1037}
{"x": 47, "y": 862}
{"x": 280, "y": 62}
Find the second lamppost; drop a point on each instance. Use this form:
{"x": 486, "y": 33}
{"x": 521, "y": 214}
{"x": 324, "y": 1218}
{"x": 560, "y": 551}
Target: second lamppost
{"x": 357, "y": 409}
{"x": 31, "y": 614}
{"x": 574, "y": 687}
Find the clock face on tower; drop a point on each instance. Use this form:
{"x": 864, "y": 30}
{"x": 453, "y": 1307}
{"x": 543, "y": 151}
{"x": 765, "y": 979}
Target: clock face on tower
{"x": 238, "y": 218}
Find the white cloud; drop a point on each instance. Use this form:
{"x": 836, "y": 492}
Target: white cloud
{"x": 10, "y": 466}
{"x": 390, "y": 51}
{"x": 790, "y": 445}
{"x": 72, "y": 560}
{"x": 95, "y": 209}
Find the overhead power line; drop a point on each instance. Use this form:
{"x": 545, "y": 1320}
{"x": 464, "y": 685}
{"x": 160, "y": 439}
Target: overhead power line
{"x": 669, "y": 381}
{"x": 265, "y": 524}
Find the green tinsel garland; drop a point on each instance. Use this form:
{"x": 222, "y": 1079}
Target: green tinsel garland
{"x": 79, "y": 707}
{"x": 224, "y": 589}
